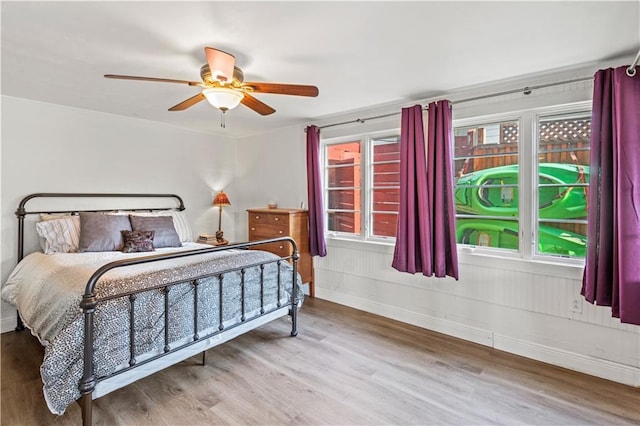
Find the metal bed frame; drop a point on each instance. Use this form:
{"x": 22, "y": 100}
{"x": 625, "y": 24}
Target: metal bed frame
{"x": 90, "y": 302}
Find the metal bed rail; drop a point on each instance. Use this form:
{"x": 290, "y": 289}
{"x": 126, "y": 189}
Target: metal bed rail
{"x": 90, "y": 303}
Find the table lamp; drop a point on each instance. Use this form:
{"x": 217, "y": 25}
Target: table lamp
{"x": 220, "y": 201}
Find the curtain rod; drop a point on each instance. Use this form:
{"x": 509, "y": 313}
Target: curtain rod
{"x": 527, "y": 91}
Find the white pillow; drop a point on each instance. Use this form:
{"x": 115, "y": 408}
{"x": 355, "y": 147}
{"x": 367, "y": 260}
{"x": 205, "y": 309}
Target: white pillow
{"x": 60, "y": 235}
{"x": 180, "y": 222}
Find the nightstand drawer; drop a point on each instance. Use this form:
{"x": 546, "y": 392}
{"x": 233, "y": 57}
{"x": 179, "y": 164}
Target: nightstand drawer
{"x": 257, "y": 218}
{"x": 261, "y": 232}
{"x": 278, "y": 219}
{"x": 281, "y": 249}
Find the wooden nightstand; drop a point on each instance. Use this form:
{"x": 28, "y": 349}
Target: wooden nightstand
{"x": 271, "y": 223}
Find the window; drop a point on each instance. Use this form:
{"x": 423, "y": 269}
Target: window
{"x": 504, "y": 165}
{"x": 563, "y": 184}
{"x": 343, "y": 178}
{"x": 486, "y": 185}
{"x": 385, "y": 186}
{"x": 362, "y": 179}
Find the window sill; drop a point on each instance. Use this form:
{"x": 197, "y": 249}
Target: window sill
{"x": 466, "y": 256}
{"x": 545, "y": 267}
{"x": 364, "y": 245}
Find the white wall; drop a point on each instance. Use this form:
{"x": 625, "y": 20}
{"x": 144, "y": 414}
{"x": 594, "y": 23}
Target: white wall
{"x": 52, "y": 148}
{"x": 271, "y": 166}
{"x": 518, "y": 306}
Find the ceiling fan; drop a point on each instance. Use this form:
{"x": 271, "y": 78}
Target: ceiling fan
{"x": 224, "y": 87}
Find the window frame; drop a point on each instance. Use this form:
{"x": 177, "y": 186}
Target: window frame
{"x": 366, "y": 141}
{"x": 370, "y": 187}
{"x": 520, "y": 118}
{"x": 515, "y": 116}
{"x": 528, "y": 147}
{"x": 325, "y": 188}
{"x": 578, "y": 109}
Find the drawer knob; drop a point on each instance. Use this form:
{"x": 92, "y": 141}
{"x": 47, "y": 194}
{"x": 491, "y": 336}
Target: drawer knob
{"x": 257, "y": 217}
{"x": 253, "y": 229}
{"x": 281, "y": 247}
{"x": 282, "y": 232}
{"x": 277, "y": 219}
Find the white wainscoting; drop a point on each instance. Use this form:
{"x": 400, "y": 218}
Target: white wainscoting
{"x": 525, "y": 308}
{"x": 8, "y": 322}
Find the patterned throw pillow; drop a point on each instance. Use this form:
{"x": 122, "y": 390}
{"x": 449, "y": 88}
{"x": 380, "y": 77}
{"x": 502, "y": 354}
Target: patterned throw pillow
{"x": 59, "y": 234}
{"x": 137, "y": 241}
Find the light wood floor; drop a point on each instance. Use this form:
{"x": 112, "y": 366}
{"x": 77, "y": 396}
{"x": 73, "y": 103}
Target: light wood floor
{"x": 345, "y": 367}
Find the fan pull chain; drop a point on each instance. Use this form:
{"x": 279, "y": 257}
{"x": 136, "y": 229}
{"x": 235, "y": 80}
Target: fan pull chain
{"x": 222, "y": 122}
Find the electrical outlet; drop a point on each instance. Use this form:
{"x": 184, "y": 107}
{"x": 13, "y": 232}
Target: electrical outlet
{"x": 576, "y": 305}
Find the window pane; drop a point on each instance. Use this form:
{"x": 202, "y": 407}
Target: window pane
{"x": 344, "y": 177}
{"x": 384, "y": 224}
{"x": 343, "y": 172}
{"x": 567, "y": 239}
{"x": 385, "y": 185}
{"x": 487, "y": 184}
{"x": 490, "y": 192}
{"x": 386, "y": 149}
{"x": 485, "y": 146}
{"x": 488, "y": 233}
{"x": 564, "y": 140}
{"x": 340, "y": 199}
{"x": 563, "y": 158}
{"x": 343, "y": 153}
{"x": 386, "y": 200}
{"x": 386, "y": 174}
{"x": 344, "y": 222}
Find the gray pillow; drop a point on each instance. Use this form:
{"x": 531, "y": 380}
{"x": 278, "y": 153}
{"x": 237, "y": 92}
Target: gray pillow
{"x": 165, "y": 234}
{"x": 102, "y": 232}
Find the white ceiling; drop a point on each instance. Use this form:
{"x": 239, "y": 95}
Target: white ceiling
{"x": 359, "y": 54}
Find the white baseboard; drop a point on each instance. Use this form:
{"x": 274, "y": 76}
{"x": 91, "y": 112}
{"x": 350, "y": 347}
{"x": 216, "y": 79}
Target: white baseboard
{"x": 602, "y": 368}
{"x": 609, "y": 370}
{"x": 450, "y": 328}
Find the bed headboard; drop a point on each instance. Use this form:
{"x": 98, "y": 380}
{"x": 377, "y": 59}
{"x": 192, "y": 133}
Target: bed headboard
{"x": 22, "y": 212}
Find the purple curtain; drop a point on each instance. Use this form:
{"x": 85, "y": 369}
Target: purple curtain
{"x": 317, "y": 243}
{"x": 612, "y": 268}
{"x": 425, "y": 241}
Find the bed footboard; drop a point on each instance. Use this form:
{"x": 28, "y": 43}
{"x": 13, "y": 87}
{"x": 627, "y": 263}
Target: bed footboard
{"x": 90, "y": 303}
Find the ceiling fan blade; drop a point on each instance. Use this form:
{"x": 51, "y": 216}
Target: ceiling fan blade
{"x": 256, "y": 105}
{"x": 159, "y": 80}
{"x": 188, "y": 103}
{"x": 220, "y": 63}
{"x": 283, "y": 89}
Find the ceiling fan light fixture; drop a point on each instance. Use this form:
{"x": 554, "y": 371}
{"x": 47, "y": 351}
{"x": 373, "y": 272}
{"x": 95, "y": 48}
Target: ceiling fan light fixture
{"x": 223, "y": 98}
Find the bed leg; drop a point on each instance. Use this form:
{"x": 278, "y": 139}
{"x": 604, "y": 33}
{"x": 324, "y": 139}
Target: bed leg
{"x": 19, "y": 323}
{"x": 86, "y": 406}
{"x": 204, "y": 357}
{"x": 294, "y": 320}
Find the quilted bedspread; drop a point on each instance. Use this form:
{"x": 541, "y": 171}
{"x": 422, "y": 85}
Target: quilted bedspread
{"x": 47, "y": 290}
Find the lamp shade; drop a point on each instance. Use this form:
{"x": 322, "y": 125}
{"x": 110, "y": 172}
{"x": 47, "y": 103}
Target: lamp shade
{"x": 223, "y": 98}
{"x": 221, "y": 200}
